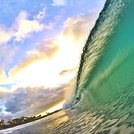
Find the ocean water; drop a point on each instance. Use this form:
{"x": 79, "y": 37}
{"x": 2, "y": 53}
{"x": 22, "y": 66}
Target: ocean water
{"x": 105, "y": 81}
{"x": 103, "y": 101}
{"x": 83, "y": 123}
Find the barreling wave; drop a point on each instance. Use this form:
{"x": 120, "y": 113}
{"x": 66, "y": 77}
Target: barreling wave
{"x": 106, "y": 68}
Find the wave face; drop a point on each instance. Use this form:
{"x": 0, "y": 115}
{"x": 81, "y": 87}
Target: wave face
{"x": 105, "y": 81}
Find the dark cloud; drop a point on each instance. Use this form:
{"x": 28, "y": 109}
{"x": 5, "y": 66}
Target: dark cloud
{"x": 64, "y": 72}
{"x": 31, "y": 101}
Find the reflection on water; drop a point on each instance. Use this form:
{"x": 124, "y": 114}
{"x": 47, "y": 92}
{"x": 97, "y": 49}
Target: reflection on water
{"x": 115, "y": 118}
{"x": 45, "y": 125}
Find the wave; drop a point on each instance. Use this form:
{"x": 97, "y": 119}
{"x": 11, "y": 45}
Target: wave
{"x": 105, "y": 78}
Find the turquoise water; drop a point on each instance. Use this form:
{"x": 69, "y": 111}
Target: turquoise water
{"x": 105, "y": 81}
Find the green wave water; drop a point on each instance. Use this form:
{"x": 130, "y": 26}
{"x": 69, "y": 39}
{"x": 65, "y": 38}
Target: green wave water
{"x": 105, "y": 81}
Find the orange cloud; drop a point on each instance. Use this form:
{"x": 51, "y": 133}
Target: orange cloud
{"x": 44, "y": 50}
{"x": 78, "y": 27}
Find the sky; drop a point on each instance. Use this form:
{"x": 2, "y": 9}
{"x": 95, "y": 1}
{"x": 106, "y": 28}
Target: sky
{"x": 41, "y": 43}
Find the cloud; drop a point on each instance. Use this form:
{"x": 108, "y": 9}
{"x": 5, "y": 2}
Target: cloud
{"x": 3, "y": 78}
{"x": 44, "y": 50}
{"x": 6, "y": 53}
{"x": 65, "y": 72}
{"x": 29, "y": 101}
{"x": 5, "y": 34}
{"x": 78, "y": 27}
{"x": 20, "y": 29}
{"x": 48, "y": 47}
{"x": 23, "y": 26}
{"x": 59, "y": 2}
{"x": 43, "y": 65}
{"x": 32, "y": 101}
{"x": 3, "y": 93}
{"x": 41, "y": 15}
